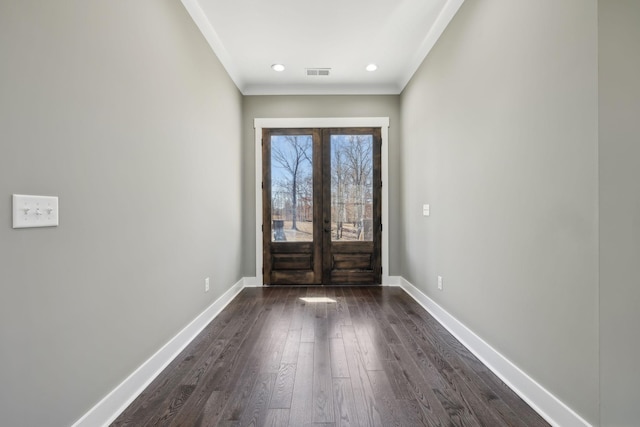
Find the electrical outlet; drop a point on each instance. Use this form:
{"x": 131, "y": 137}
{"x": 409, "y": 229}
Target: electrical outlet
{"x": 440, "y": 283}
{"x": 206, "y": 284}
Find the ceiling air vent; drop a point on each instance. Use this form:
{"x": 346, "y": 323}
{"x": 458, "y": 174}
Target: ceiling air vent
{"x": 318, "y": 71}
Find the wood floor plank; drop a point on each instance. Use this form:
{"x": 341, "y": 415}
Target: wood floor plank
{"x": 308, "y": 322}
{"x": 342, "y": 308}
{"x": 283, "y": 390}
{"x": 434, "y": 395}
{"x": 373, "y": 357}
{"x": 436, "y": 399}
{"x": 339, "y": 365}
{"x": 372, "y": 304}
{"x": 364, "y": 398}
{"x": 206, "y": 345}
{"x": 399, "y": 384}
{"x": 301, "y": 413}
{"x": 272, "y": 355}
{"x": 236, "y": 399}
{"x": 255, "y": 413}
{"x": 277, "y": 418}
{"x": 442, "y": 359}
{"x": 344, "y": 403}
{"x": 322, "y": 385}
{"x": 392, "y": 410}
{"x": 209, "y": 416}
{"x": 291, "y": 346}
{"x": 370, "y": 354}
{"x": 184, "y": 391}
{"x": 297, "y": 316}
{"x": 334, "y": 321}
{"x": 235, "y": 371}
{"x": 200, "y": 377}
{"x": 493, "y": 391}
{"x": 223, "y": 407}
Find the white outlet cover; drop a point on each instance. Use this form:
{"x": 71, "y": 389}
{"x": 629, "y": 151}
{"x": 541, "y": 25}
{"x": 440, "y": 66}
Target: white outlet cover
{"x": 425, "y": 210}
{"x": 35, "y": 211}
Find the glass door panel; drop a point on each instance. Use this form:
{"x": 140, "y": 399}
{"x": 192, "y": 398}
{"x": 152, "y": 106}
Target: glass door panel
{"x": 292, "y": 188}
{"x": 351, "y": 188}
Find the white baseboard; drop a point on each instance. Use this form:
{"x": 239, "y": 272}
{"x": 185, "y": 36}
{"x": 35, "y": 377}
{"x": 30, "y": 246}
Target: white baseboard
{"x": 541, "y": 400}
{"x": 391, "y": 280}
{"x": 252, "y": 282}
{"x": 112, "y": 405}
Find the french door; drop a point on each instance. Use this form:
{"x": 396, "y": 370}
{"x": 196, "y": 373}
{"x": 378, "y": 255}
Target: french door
{"x": 321, "y": 206}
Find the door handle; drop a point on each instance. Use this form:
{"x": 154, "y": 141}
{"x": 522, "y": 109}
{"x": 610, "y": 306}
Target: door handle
{"x": 327, "y": 230}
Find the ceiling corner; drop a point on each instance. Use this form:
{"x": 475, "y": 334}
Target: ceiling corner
{"x": 212, "y": 38}
{"x": 446, "y": 15}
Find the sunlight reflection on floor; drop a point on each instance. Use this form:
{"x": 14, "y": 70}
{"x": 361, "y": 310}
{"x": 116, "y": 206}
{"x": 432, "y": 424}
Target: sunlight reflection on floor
{"x": 317, "y": 299}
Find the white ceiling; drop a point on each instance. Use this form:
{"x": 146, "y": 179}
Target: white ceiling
{"x": 248, "y": 36}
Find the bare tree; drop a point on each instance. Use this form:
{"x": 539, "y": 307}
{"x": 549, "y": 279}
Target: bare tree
{"x": 337, "y": 183}
{"x": 292, "y": 153}
{"x": 305, "y": 198}
{"x": 358, "y": 157}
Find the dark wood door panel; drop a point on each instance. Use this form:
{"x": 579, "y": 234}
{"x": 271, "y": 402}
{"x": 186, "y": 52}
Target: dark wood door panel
{"x": 353, "y": 247}
{"x": 292, "y": 248}
{"x": 352, "y": 261}
{"x": 292, "y": 262}
{"x": 352, "y": 277}
{"x": 293, "y": 277}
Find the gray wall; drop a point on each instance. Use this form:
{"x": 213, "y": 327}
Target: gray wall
{"x": 121, "y": 109}
{"x": 619, "y": 59}
{"x": 499, "y": 135}
{"x": 318, "y": 106}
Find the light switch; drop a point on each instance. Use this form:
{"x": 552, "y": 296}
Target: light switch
{"x": 34, "y": 211}
{"x": 425, "y": 210}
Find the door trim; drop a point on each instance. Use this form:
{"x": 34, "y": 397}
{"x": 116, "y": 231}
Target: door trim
{"x": 324, "y": 122}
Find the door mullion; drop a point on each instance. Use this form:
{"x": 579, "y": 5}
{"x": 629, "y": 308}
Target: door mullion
{"x": 318, "y": 188}
{"x": 326, "y": 206}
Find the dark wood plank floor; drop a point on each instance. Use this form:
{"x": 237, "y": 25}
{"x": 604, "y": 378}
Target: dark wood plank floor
{"x": 373, "y": 357}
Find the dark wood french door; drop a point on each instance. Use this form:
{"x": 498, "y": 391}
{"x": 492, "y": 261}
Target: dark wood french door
{"x": 322, "y": 206}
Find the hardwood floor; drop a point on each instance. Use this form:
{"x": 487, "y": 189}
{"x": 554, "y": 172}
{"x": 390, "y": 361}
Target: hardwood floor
{"x": 373, "y": 357}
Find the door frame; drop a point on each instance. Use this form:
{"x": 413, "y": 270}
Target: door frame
{"x": 325, "y": 122}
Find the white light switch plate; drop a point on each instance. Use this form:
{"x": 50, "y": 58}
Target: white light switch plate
{"x": 425, "y": 210}
{"x": 34, "y": 211}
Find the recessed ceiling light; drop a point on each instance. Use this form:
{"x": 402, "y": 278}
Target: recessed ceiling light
{"x": 372, "y": 67}
{"x": 277, "y": 67}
